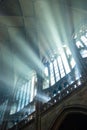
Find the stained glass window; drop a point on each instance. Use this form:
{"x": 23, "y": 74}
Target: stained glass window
{"x": 58, "y": 66}
{"x": 25, "y": 93}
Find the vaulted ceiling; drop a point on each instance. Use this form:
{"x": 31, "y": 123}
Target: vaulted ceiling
{"x": 29, "y": 18}
{"x": 27, "y": 24}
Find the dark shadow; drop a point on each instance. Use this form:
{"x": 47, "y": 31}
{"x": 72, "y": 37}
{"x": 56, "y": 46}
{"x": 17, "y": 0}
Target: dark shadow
{"x": 74, "y": 121}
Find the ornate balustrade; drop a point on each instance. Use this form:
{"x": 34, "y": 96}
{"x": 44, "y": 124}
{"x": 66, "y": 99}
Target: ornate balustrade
{"x": 58, "y": 98}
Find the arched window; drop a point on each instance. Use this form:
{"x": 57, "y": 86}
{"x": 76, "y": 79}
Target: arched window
{"x": 81, "y": 42}
{"x": 60, "y": 64}
{"x": 25, "y": 93}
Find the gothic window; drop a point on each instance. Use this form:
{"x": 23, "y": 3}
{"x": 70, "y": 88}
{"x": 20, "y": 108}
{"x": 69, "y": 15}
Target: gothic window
{"x": 60, "y": 64}
{"x": 25, "y": 93}
{"x": 81, "y": 44}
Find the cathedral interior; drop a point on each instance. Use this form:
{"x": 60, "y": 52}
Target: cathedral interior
{"x": 43, "y": 64}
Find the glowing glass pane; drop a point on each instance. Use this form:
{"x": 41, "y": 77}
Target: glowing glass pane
{"x": 79, "y": 44}
{"x": 24, "y": 95}
{"x": 56, "y": 70}
{"x": 83, "y": 53}
{"x": 52, "y": 74}
{"x": 61, "y": 67}
{"x": 32, "y": 89}
{"x": 46, "y": 71}
{"x": 55, "y": 66}
{"x": 84, "y": 40}
{"x": 51, "y": 67}
{"x": 52, "y": 81}
{"x": 27, "y": 95}
{"x": 57, "y": 77}
{"x": 19, "y": 106}
{"x": 65, "y": 62}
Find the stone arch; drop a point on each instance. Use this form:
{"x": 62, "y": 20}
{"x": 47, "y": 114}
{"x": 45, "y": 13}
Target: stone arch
{"x": 65, "y": 112}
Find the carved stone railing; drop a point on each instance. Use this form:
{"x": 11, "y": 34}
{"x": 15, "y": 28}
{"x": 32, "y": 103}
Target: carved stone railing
{"x": 65, "y": 93}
